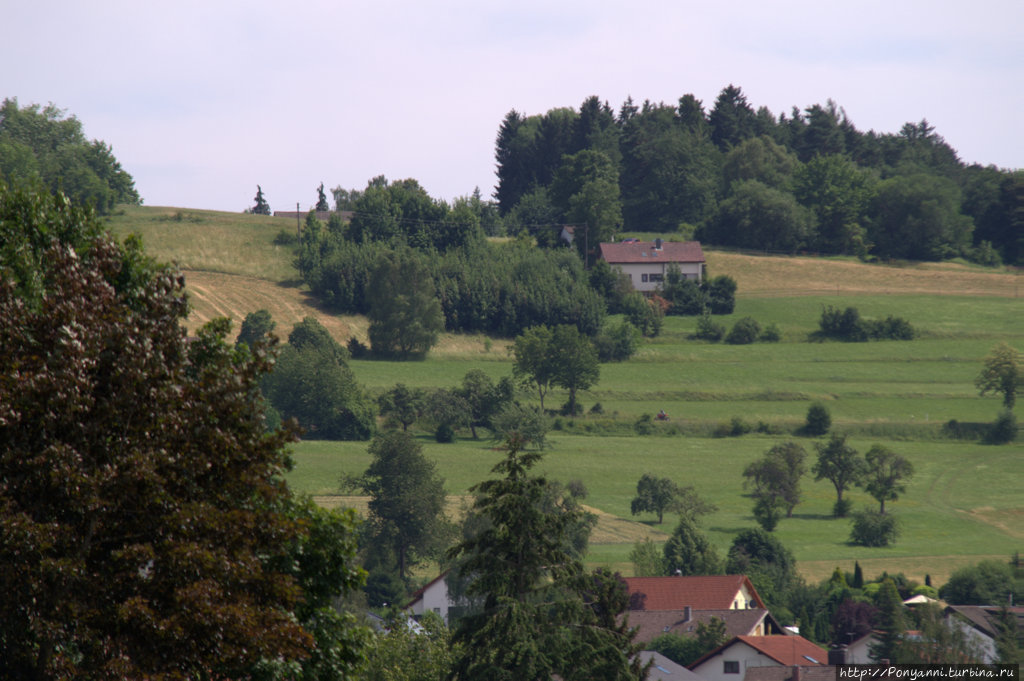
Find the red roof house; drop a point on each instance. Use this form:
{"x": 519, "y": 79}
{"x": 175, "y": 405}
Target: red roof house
{"x": 732, "y": 660}
{"x": 717, "y": 592}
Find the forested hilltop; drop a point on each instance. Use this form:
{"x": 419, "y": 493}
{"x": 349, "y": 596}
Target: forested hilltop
{"x": 740, "y": 176}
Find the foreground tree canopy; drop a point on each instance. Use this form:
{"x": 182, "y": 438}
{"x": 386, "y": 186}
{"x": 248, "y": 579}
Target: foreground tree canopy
{"x": 144, "y": 523}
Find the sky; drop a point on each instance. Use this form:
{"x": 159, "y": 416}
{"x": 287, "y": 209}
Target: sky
{"x": 203, "y": 100}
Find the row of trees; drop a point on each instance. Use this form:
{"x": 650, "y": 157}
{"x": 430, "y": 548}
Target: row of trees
{"x": 44, "y": 147}
{"x": 747, "y": 178}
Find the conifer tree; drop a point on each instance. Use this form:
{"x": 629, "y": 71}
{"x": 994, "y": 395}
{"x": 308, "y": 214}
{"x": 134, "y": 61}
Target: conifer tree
{"x": 261, "y": 207}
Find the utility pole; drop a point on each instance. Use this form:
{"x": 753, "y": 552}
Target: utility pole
{"x": 298, "y": 221}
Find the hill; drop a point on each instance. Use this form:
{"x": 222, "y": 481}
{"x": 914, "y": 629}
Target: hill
{"x": 233, "y": 266}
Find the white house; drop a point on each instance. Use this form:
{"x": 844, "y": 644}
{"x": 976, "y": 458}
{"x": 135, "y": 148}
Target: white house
{"x": 647, "y": 262}
{"x": 731, "y": 661}
{"x": 432, "y": 597}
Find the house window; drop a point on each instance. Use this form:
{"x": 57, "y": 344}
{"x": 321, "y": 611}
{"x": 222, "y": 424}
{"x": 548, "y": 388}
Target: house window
{"x": 731, "y": 667}
{"x": 437, "y": 610}
{"x": 643, "y": 277}
{"x": 657, "y": 277}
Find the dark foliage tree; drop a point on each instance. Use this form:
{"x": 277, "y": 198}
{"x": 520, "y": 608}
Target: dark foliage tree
{"x": 761, "y": 159}
{"x": 618, "y": 342}
{"x": 886, "y": 475}
{"x": 731, "y": 118}
{"x": 43, "y": 147}
{"x": 838, "y": 192}
{"x": 890, "y": 623}
{"x": 406, "y": 501}
{"x": 525, "y": 423}
{"x": 310, "y": 334}
{"x": 657, "y": 495}
{"x": 841, "y": 465}
{"x": 143, "y": 499}
{"x": 540, "y": 614}
{"x": 405, "y": 315}
{"x": 775, "y": 477}
{"x": 321, "y": 393}
{"x": 989, "y": 582}
{"x": 585, "y": 189}
{"x": 818, "y": 420}
{"x": 917, "y": 217}
{"x": 574, "y": 359}
{"x": 756, "y": 216}
{"x": 852, "y": 620}
{"x": 261, "y": 207}
{"x": 321, "y": 200}
{"x": 688, "y": 552}
{"x": 770, "y": 565}
{"x": 255, "y": 327}
{"x": 484, "y": 397}
{"x": 533, "y": 359}
{"x": 870, "y": 528}
{"x": 669, "y": 171}
{"x": 1003, "y": 373}
{"x": 403, "y": 404}
{"x": 720, "y": 294}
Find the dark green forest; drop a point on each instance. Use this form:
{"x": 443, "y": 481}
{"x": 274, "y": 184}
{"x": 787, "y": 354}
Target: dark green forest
{"x": 743, "y": 177}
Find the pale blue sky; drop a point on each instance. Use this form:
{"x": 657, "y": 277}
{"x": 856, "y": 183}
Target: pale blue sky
{"x": 202, "y": 100}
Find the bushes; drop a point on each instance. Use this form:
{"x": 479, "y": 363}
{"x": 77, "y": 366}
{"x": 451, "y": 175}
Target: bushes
{"x": 874, "y": 529}
{"x": 848, "y": 326}
{"x": 744, "y": 332}
{"x": 819, "y": 420}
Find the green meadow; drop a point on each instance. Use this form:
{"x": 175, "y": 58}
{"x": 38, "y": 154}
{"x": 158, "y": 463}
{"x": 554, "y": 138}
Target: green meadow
{"x": 965, "y": 502}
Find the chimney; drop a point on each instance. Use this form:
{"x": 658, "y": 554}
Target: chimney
{"x": 837, "y": 655}
{"x": 796, "y": 673}
{"x": 657, "y": 244}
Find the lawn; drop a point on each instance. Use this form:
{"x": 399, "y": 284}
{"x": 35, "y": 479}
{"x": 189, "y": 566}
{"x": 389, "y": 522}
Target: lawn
{"x": 964, "y": 503}
{"x": 964, "y": 499}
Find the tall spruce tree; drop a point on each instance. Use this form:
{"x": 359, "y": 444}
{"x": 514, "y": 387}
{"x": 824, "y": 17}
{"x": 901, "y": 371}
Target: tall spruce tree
{"x": 541, "y": 615}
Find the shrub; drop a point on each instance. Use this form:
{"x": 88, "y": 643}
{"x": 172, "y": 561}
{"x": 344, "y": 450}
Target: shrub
{"x": 1003, "y": 429}
{"x": 744, "y": 332}
{"x": 444, "y": 434}
{"x": 848, "y": 326}
{"x": 709, "y": 330}
{"x": 286, "y": 238}
{"x": 357, "y": 349}
{"x": 770, "y": 334}
{"x": 644, "y": 425}
{"x": 841, "y": 508}
{"x": 617, "y": 343}
{"x": 818, "y": 420}
{"x": 569, "y": 409}
{"x": 597, "y": 409}
{"x": 874, "y": 529}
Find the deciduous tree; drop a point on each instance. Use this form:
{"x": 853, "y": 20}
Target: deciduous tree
{"x": 405, "y": 315}
{"x": 841, "y": 465}
{"x": 406, "y": 500}
{"x": 142, "y": 497}
{"x": 886, "y": 475}
{"x": 1003, "y": 373}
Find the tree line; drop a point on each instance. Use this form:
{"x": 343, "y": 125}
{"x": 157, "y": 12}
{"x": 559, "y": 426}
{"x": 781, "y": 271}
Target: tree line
{"x": 44, "y": 147}
{"x": 743, "y": 177}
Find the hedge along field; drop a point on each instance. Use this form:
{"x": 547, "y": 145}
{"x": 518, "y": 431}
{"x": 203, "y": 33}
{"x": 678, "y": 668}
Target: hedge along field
{"x": 962, "y": 505}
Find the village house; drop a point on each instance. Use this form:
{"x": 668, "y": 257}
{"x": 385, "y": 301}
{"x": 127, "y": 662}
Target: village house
{"x": 731, "y": 661}
{"x": 979, "y": 624}
{"x": 714, "y": 592}
{"x": 650, "y": 624}
{"x": 647, "y": 262}
{"x": 431, "y": 597}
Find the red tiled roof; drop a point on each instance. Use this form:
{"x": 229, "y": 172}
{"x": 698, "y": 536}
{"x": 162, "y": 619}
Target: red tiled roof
{"x": 676, "y": 593}
{"x": 645, "y": 252}
{"x": 785, "y": 650}
{"x": 650, "y": 624}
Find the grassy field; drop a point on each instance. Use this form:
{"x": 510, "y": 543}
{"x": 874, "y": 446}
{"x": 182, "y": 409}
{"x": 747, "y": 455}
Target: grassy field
{"x": 964, "y": 504}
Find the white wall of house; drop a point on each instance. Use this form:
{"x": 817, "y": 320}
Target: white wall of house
{"x": 433, "y": 599}
{"x": 648, "y": 277}
{"x": 732, "y": 663}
